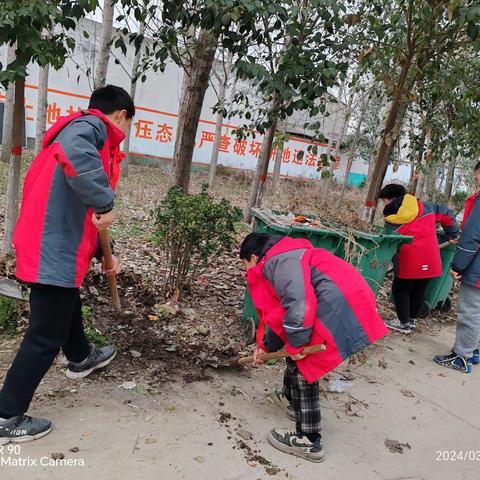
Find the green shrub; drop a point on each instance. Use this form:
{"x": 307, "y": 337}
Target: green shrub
{"x": 8, "y": 317}
{"x": 458, "y": 200}
{"x": 192, "y": 230}
{"x": 93, "y": 335}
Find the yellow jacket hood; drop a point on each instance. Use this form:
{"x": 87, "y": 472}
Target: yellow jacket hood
{"x": 407, "y": 212}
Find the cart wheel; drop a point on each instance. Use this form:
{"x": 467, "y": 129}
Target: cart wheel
{"x": 250, "y": 330}
{"x": 425, "y": 311}
{"x": 446, "y": 305}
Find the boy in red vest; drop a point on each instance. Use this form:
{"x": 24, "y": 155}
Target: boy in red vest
{"x": 306, "y": 296}
{"x": 415, "y": 263}
{"x": 466, "y": 269}
{"x": 68, "y": 196}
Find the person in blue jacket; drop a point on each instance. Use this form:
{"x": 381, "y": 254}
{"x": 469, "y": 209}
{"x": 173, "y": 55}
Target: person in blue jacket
{"x": 466, "y": 269}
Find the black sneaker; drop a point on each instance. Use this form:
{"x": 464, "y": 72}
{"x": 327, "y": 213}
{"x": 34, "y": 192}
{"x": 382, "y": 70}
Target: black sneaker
{"x": 457, "y": 362}
{"x": 23, "y": 428}
{"x": 398, "y": 326}
{"x": 297, "y": 445}
{"x": 98, "y": 358}
{"x": 281, "y": 401}
{"x": 413, "y": 323}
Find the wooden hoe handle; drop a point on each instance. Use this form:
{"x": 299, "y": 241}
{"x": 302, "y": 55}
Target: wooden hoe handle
{"x": 112, "y": 280}
{"x": 281, "y": 354}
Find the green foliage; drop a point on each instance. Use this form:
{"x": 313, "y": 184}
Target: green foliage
{"x": 8, "y": 317}
{"x": 192, "y": 230}
{"x": 458, "y": 199}
{"x": 39, "y": 27}
{"x": 93, "y": 335}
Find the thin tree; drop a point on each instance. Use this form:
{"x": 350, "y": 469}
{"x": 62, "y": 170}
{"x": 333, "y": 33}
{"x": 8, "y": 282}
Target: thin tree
{"x": 42, "y": 104}
{"x": 13, "y": 186}
{"x": 222, "y": 91}
{"x": 353, "y": 148}
{"x": 133, "y": 90}
{"x": 105, "y": 43}
{"x": 8, "y": 112}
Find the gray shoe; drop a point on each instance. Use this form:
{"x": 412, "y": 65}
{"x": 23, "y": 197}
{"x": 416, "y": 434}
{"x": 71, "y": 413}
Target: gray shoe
{"x": 413, "y": 323}
{"x": 297, "y": 445}
{"x": 281, "y": 401}
{"x": 98, "y": 358}
{"x": 398, "y": 326}
{"x": 23, "y": 429}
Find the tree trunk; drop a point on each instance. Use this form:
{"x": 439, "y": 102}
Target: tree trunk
{"x": 261, "y": 171}
{"x": 431, "y": 182}
{"x": 105, "y": 42}
{"x": 277, "y": 167}
{"x": 387, "y": 143}
{"x": 190, "y": 109}
{"x": 420, "y": 152}
{"x": 222, "y": 91}
{"x": 353, "y": 149}
{"x": 389, "y": 137}
{"x": 8, "y": 112}
{"x": 133, "y": 90}
{"x": 418, "y": 192}
{"x": 42, "y": 104}
{"x": 450, "y": 176}
{"x": 13, "y": 187}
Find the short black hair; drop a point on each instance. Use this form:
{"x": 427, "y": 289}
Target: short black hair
{"x": 111, "y": 98}
{"x": 477, "y": 167}
{"x": 393, "y": 190}
{"x": 253, "y": 244}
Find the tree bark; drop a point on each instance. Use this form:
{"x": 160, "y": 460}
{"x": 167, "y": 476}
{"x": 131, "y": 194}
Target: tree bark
{"x": 13, "y": 187}
{"x": 261, "y": 171}
{"x": 133, "y": 90}
{"x": 105, "y": 42}
{"x": 8, "y": 112}
{"x": 420, "y": 152}
{"x": 353, "y": 149}
{"x": 418, "y": 192}
{"x": 190, "y": 109}
{"x": 222, "y": 91}
{"x": 42, "y": 104}
{"x": 452, "y": 164}
{"x": 388, "y": 140}
{"x": 277, "y": 166}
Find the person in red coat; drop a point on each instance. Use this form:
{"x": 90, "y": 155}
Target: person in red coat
{"x": 68, "y": 195}
{"x": 419, "y": 261}
{"x": 306, "y": 296}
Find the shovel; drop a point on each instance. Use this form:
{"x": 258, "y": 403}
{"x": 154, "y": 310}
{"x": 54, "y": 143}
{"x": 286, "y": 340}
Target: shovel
{"x": 265, "y": 357}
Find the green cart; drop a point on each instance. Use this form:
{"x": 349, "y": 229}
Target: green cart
{"x": 437, "y": 295}
{"x": 370, "y": 253}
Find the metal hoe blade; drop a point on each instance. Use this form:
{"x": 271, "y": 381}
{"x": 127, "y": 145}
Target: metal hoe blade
{"x": 10, "y": 288}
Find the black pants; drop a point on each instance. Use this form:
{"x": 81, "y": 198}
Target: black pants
{"x": 55, "y": 322}
{"x": 409, "y": 297}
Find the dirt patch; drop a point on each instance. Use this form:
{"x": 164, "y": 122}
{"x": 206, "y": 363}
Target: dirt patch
{"x": 205, "y": 330}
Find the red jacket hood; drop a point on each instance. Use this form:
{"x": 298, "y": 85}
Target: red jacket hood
{"x": 115, "y": 135}
{"x": 287, "y": 244}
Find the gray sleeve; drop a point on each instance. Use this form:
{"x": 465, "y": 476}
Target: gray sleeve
{"x": 469, "y": 243}
{"x": 286, "y": 274}
{"x": 82, "y": 166}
